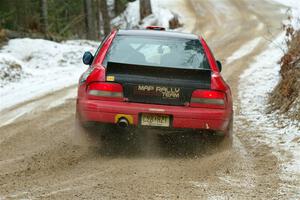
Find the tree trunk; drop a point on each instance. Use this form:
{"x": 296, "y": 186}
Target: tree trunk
{"x": 105, "y": 17}
{"x": 88, "y": 11}
{"x": 9, "y": 34}
{"x": 99, "y": 19}
{"x": 44, "y": 16}
{"x": 145, "y": 8}
{"x": 21, "y": 15}
{"x": 119, "y": 6}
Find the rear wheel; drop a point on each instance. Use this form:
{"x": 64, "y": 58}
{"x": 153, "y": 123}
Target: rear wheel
{"x": 96, "y": 131}
{"x": 227, "y": 136}
{"x": 222, "y": 139}
{"x": 87, "y": 130}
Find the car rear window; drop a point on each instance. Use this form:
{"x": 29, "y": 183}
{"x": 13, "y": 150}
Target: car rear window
{"x": 155, "y": 51}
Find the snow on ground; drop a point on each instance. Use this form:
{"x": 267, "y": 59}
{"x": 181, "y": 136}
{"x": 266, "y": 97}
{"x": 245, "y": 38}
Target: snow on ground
{"x": 131, "y": 16}
{"x": 294, "y": 5}
{"x": 181, "y": 8}
{"x": 10, "y": 69}
{"x": 255, "y": 85}
{"x": 34, "y": 67}
{"x": 244, "y": 50}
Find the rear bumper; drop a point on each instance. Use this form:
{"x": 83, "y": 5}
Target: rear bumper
{"x": 182, "y": 117}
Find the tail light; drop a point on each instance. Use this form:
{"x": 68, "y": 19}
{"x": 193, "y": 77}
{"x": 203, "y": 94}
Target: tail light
{"x": 208, "y": 99}
{"x": 105, "y": 91}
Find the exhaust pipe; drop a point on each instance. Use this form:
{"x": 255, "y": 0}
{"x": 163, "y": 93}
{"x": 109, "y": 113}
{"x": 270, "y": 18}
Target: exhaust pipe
{"x": 123, "y": 123}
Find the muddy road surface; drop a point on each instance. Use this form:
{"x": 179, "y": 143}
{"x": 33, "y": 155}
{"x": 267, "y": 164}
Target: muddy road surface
{"x": 42, "y": 157}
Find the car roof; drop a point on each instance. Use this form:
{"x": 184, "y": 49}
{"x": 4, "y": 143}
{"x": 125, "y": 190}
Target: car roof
{"x": 157, "y": 33}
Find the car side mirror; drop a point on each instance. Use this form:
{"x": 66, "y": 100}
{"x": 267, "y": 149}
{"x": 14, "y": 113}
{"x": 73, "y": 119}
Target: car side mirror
{"x": 87, "y": 58}
{"x": 219, "y": 64}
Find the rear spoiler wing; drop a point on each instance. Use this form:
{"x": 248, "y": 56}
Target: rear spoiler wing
{"x": 121, "y": 72}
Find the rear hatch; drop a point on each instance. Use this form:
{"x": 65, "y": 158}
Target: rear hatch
{"x": 158, "y": 85}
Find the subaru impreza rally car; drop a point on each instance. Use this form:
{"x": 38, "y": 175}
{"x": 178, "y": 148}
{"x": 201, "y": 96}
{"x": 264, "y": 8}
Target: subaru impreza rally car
{"x": 155, "y": 78}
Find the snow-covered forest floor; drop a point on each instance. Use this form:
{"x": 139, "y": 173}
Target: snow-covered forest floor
{"x": 35, "y": 67}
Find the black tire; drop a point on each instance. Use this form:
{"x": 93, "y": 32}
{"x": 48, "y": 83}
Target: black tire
{"x": 92, "y": 131}
{"x": 227, "y": 137}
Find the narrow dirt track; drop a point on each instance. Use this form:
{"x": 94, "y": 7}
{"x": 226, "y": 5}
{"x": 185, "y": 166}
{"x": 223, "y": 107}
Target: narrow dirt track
{"x": 41, "y": 158}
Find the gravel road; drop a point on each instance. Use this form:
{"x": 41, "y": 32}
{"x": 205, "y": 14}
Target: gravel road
{"x": 43, "y": 157}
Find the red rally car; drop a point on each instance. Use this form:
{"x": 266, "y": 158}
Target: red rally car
{"x": 155, "y": 78}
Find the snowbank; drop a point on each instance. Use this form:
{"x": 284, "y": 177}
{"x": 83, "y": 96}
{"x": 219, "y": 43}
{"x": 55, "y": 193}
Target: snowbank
{"x": 294, "y": 6}
{"x": 255, "y": 85}
{"x": 130, "y": 18}
{"x": 34, "y": 67}
{"x": 10, "y": 69}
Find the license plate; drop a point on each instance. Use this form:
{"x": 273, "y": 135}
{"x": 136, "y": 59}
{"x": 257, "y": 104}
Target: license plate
{"x": 155, "y": 120}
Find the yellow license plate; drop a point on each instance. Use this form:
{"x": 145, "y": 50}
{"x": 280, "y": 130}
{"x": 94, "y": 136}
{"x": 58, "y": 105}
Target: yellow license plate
{"x": 155, "y": 120}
